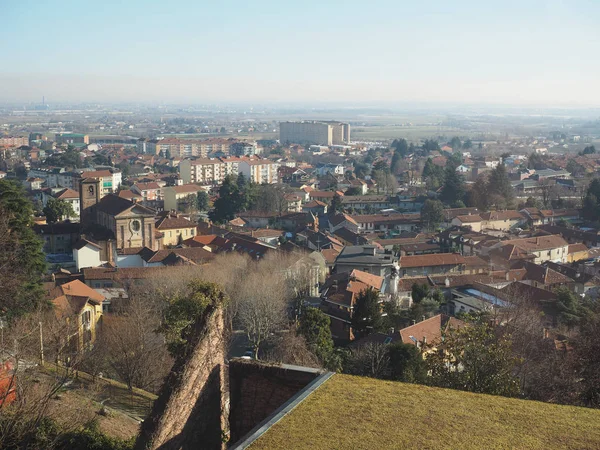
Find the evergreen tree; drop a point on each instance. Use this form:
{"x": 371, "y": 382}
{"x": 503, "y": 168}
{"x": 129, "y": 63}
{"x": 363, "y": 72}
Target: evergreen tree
{"x": 455, "y": 143}
{"x": 315, "y": 327}
{"x": 406, "y": 363}
{"x": 486, "y": 362}
{"x": 453, "y": 189}
{"x": 419, "y": 292}
{"x": 366, "y": 316}
{"x": 396, "y": 162}
{"x": 228, "y": 203}
{"x": 203, "y": 201}
{"x": 21, "y": 256}
{"x": 336, "y": 204}
{"x": 434, "y": 175}
{"x": 499, "y": 184}
{"x": 478, "y": 194}
{"x": 432, "y": 214}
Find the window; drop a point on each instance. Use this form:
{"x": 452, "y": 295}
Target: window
{"x": 86, "y": 319}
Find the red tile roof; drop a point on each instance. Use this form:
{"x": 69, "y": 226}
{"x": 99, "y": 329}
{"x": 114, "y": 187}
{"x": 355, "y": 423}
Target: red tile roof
{"x": 436, "y": 259}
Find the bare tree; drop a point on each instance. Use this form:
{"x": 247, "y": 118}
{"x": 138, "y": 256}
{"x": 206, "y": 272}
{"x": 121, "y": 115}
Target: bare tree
{"x": 290, "y": 348}
{"x": 134, "y": 352}
{"x": 263, "y": 305}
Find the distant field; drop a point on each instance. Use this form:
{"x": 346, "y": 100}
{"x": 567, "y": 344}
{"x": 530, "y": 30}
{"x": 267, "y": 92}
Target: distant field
{"x": 363, "y": 413}
{"x": 410, "y": 133}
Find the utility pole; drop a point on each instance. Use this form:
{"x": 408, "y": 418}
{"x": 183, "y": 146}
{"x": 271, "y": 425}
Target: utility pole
{"x": 41, "y": 345}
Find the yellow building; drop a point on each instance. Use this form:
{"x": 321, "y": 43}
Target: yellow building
{"x": 175, "y": 229}
{"x": 80, "y": 307}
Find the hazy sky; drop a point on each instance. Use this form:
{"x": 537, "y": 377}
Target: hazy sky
{"x": 504, "y": 51}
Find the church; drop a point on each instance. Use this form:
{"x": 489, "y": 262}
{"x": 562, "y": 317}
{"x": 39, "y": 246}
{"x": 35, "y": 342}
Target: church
{"x": 116, "y": 223}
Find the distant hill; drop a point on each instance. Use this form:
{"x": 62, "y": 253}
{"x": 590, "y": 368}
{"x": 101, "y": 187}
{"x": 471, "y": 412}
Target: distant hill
{"x": 349, "y": 412}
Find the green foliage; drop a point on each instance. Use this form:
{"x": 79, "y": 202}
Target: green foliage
{"x": 187, "y": 308}
{"x": 366, "y": 317}
{"x": 361, "y": 169}
{"x": 569, "y": 308}
{"x": 499, "y": 185}
{"x": 433, "y": 175}
{"x": 70, "y": 158}
{"x": 22, "y": 255}
{"x": 336, "y": 204}
{"x": 419, "y": 292}
{"x": 591, "y": 203}
{"x": 353, "y": 191}
{"x": 229, "y": 202}
{"x": 453, "y": 189}
{"x": 474, "y": 359}
{"x": 203, "y": 201}
{"x": 574, "y": 168}
{"x": 315, "y": 327}
{"x": 455, "y": 143}
{"x": 91, "y": 438}
{"x": 400, "y": 147}
{"x": 589, "y": 150}
{"x": 536, "y": 161}
{"x": 57, "y": 210}
{"x": 432, "y": 214}
{"x": 478, "y": 195}
{"x": 430, "y": 145}
{"x": 406, "y": 363}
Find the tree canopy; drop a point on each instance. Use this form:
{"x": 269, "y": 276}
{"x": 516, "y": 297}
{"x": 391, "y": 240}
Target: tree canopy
{"x": 57, "y": 210}
{"x": 453, "y": 188}
{"x": 432, "y": 214}
{"x": 475, "y": 359}
{"x": 315, "y": 327}
{"x": 366, "y": 316}
{"x": 22, "y": 260}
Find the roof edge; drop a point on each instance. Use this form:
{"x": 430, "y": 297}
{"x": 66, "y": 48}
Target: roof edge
{"x": 282, "y": 411}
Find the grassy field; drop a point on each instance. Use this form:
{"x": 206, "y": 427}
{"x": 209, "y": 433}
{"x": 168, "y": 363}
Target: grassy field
{"x": 362, "y": 413}
{"x": 410, "y": 133}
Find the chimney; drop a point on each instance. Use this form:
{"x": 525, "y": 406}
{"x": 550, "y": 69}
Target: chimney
{"x": 422, "y": 318}
{"x": 424, "y": 340}
{"x": 392, "y": 330}
{"x": 507, "y": 275}
{"x": 413, "y": 322}
{"x": 546, "y": 333}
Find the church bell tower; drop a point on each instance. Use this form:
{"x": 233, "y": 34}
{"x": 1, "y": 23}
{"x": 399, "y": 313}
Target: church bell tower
{"x": 89, "y": 196}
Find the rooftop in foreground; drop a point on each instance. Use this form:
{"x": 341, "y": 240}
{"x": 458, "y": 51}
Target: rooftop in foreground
{"x": 357, "y": 412}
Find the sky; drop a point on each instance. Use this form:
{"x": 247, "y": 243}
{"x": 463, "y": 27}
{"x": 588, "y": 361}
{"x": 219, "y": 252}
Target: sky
{"x": 530, "y": 52}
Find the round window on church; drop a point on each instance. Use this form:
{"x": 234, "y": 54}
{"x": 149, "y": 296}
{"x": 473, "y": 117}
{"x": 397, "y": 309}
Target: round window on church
{"x": 135, "y": 225}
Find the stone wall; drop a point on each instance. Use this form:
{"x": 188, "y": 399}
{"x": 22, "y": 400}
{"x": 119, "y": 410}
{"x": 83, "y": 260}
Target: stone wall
{"x": 191, "y": 409}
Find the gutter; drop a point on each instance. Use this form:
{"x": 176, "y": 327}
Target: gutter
{"x": 282, "y": 411}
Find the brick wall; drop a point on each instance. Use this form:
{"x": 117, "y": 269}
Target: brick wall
{"x": 257, "y": 390}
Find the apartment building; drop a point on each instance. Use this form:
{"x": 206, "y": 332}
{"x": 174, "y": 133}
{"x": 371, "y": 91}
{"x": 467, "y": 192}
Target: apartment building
{"x": 188, "y": 148}
{"x": 181, "y": 198}
{"x": 71, "y": 138}
{"x": 315, "y": 132}
{"x": 259, "y": 170}
{"x": 13, "y": 141}
{"x": 110, "y": 180}
{"x": 202, "y": 170}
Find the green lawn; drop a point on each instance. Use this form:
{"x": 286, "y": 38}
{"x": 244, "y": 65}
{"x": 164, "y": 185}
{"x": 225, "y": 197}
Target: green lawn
{"x": 361, "y": 413}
